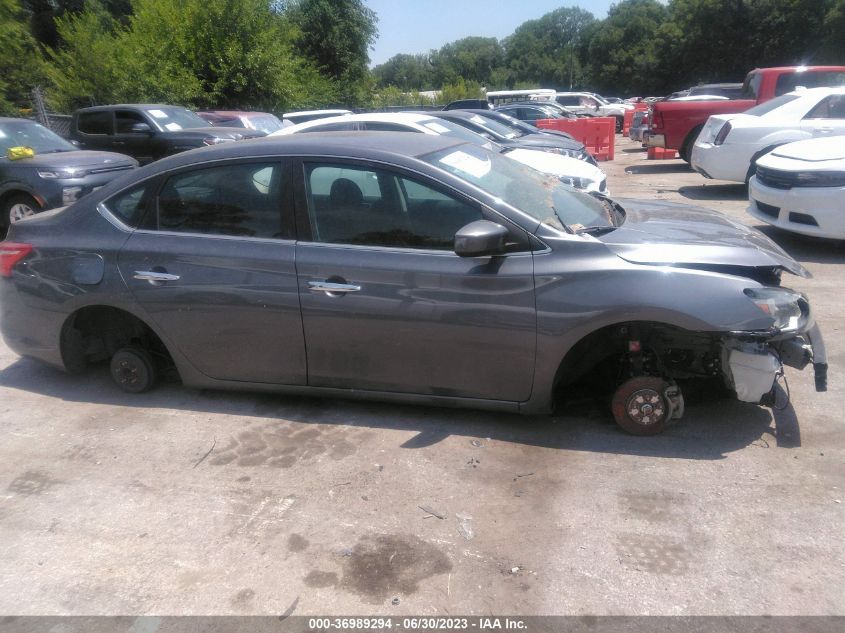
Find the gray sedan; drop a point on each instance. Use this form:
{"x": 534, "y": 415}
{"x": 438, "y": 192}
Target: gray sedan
{"x": 401, "y": 267}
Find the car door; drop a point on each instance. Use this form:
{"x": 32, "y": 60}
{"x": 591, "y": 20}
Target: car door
{"x": 386, "y": 303}
{"x": 827, "y": 118}
{"x": 130, "y": 140}
{"x": 95, "y": 130}
{"x": 212, "y": 265}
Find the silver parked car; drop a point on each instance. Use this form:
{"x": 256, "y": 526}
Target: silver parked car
{"x": 405, "y": 267}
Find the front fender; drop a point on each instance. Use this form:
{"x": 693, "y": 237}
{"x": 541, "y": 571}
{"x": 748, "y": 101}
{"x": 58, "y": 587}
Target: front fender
{"x": 574, "y": 303}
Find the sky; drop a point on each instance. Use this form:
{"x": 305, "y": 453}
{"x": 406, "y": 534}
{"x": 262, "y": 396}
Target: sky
{"x": 417, "y": 26}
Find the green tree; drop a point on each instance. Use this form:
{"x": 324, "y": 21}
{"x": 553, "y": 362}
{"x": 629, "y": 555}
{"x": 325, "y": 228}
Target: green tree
{"x": 408, "y": 72}
{"x": 620, "y": 50}
{"x": 90, "y": 67}
{"x": 832, "y": 37}
{"x": 206, "y": 53}
{"x": 461, "y": 89}
{"x": 786, "y": 32}
{"x": 470, "y": 59}
{"x": 21, "y": 62}
{"x": 545, "y": 51}
{"x": 337, "y": 35}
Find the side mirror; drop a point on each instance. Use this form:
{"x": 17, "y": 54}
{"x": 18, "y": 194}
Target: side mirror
{"x": 480, "y": 239}
{"x": 141, "y": 128}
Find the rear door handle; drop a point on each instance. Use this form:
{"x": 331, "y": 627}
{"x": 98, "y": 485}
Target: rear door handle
{"x": 332, "y": 288}
{"x": 154, "y": 276}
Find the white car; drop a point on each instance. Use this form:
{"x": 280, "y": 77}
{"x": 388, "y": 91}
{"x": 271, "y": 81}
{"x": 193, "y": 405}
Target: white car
{"x": 729, "y": 145}
{"x": 800, "y": 187}
{"x": 594, "y": 105}
{"x": 577, "y": 173}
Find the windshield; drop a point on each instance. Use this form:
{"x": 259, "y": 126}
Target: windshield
{"x": 518, "y": 127}
{"x": 266, "y": 124}
{"x": 31, "y": 134}
{"x": 173, "y": 119}
{"x": 448, "y": 128}
{"x": 494, "y": 127}
{"x": 539, "y": 195}
{"x": 773, "y": 104}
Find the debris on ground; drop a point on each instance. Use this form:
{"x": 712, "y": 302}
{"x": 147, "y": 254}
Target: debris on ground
{"x": 432, "y": 512}
{"x": 465, "y": 526}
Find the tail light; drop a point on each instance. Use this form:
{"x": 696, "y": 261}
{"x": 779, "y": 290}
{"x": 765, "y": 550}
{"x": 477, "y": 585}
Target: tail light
{"x": 723, "y": 134}
{"x": 10, "y": 254}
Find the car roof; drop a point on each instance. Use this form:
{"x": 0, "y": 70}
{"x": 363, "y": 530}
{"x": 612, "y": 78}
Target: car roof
{"x": 818, "y": 92}
{"x": 140, "y": 106}
{"x": 403, "y": 118}
{"x": 12, "y": 119}
{"x": 391, "y": 146}
{"x": 234, "y": 113}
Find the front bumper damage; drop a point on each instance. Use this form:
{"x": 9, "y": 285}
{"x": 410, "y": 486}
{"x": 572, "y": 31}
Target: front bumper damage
{"x": 753, "y": 361}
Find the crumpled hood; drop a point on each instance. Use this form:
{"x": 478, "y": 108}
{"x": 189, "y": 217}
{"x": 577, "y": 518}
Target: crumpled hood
{"x": 670, "y": 234}
{"x": 85, "y": 159}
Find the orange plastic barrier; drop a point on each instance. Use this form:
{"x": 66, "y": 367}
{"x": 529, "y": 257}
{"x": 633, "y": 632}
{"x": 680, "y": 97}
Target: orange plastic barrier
{"x": 661, "y": 153}
{"x": 597, "y": 133}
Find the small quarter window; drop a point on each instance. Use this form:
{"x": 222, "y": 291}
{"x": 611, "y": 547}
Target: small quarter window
{"x": 129, "y": 206}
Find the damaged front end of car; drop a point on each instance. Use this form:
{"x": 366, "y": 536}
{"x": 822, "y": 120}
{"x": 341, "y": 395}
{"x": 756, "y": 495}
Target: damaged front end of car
{"x": 654, "y": 359}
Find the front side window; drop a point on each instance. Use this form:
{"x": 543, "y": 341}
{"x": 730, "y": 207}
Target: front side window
{"x": 125, "y": 119}
{"x": 348, "y": 204}
{"x": 237, "y": 199}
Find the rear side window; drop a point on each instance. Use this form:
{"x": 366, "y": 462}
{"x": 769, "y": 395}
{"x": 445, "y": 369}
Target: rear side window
{"x": 238, "y": 199}
{"x": 129, "y": 206}
{"x": 95, "y": 122}
{"x": 832, "y": 107}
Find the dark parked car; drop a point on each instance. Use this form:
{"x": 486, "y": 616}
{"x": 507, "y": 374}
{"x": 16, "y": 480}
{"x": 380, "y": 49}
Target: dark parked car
{"x": 466, "y": 104}
{"x": 261, "y": 121}
{"x": 520, "y": 127}
{"x": 149, "y": 132}
{"x": 507, "y": 137}
{"x": 531, "y": 112}
{"x": 400, "y": 266}
{"x": 57, "y": 174}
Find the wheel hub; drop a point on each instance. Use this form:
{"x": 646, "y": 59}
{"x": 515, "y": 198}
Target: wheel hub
{"x": 19, "y": 212}
{"x": 645, "y": 406}
{"x": 127, "y": 373}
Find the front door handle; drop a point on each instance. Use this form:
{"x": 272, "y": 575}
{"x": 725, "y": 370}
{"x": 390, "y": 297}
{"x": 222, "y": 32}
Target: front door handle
{"x": 332, "y": 288}
{"x": 154, "y": 276}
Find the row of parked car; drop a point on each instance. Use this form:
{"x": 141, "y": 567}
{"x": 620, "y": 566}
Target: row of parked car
{"x": 106, "y": 140}
{"x": 455, "y": 266}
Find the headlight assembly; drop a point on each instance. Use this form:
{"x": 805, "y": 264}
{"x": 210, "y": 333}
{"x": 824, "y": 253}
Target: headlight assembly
{"x": 52, "y": 174}
{"x": 788, "y": 309}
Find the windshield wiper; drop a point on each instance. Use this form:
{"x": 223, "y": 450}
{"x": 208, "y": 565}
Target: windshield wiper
{"x": 595, "y": 230}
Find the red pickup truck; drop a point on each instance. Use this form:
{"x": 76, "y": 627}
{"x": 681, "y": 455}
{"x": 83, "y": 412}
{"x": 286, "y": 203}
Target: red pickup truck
{"x": 676, "y": 124}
